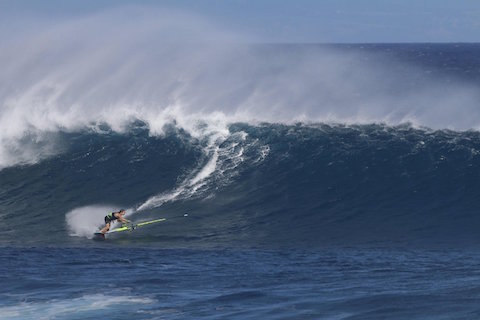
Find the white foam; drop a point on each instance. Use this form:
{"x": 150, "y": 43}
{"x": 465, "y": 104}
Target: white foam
{"x": 111, "y": 68}
{"x": 69, "y": 308}
{"x": 85, "y": 221}
{"x": 187, "y": 188}
{"x": 223, "y": 159}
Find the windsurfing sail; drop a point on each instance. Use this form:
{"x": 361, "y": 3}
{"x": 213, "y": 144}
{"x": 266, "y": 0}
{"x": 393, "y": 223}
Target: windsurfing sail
{"x": 130, "y": 227}
{"x": 101, "y": 236}
{"x": 149, "y": 222}
{"x": 134, "y": 226}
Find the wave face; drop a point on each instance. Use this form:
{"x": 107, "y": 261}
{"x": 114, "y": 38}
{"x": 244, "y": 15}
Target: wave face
{"x": 269, "y": 184}
{"x": 263, "y": 145}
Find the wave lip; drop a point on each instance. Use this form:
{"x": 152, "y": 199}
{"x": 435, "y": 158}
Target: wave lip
{"x": 192, "y": 80}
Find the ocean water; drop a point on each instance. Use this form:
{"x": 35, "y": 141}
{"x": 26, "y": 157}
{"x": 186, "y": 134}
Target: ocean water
{"x": 351, "y": 194}
{"x": 155, "y": 283}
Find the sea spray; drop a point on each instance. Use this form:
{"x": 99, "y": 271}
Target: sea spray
{"x": 85, "y": 221}
{"x": 108, "y": 69}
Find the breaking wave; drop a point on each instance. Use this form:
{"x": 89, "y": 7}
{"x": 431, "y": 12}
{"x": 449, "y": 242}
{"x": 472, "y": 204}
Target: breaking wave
{"x": 262, "y": 144}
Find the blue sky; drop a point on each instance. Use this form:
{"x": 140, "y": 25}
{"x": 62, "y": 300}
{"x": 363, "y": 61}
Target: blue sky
{"x": 333, "y": 21}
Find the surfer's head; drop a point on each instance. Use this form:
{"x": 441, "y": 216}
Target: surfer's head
{"x": 122, "y": 211}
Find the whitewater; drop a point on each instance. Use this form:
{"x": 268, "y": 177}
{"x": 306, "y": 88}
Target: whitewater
{"x": 201, "y": 80}
{"x": 320, "y": 181}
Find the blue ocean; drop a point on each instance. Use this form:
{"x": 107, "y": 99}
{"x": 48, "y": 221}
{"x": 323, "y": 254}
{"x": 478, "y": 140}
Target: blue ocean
{"x": 345, "y": 185}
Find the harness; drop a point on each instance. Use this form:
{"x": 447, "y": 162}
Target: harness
{"x": 111, "y": 217}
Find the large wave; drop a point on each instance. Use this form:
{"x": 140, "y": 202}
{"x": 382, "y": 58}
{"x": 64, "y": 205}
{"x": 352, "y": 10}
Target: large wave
{"x": 162, "y": 112}
{"x": 278, "y": 185}
{"x": 161, "y": 67}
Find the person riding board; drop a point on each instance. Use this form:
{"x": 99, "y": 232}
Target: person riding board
{"x": 111, "y": 217}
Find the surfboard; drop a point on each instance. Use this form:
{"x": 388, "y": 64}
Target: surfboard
{"x": 99, "y": 235}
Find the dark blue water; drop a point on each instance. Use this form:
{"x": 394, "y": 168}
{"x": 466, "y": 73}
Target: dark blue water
{"x": 74, "y": 283}
{"x": 302, "y": 221}
{"x": 317, "y": 185}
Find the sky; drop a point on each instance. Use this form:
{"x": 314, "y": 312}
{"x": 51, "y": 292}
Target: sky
{"x": 302, "y": 21}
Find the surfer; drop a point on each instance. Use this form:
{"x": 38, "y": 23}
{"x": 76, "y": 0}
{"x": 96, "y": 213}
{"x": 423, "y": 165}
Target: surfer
{"x": 111, "y": 217}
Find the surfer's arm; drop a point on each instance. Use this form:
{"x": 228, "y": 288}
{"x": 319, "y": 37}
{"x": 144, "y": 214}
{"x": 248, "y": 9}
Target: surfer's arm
{"x": 123, "y": 220}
